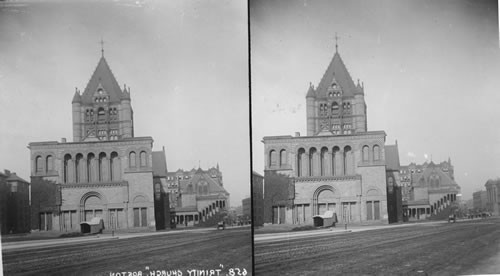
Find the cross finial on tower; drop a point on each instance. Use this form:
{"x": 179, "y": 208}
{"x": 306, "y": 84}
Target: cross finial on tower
{"x": 336, "y": 43}
{"x": 102, "y": 47}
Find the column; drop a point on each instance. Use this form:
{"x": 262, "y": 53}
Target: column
{"x": 93, "y": 170}
{"x": 317, "y": 163}
{"x": 305, "y": 164}
{"x": 71, "y": 171}
{"x": 328, "y": 163}
{"x": 105, "y": 169}
{"x": 341, "y": 162}
{"x": 83, "y": 170}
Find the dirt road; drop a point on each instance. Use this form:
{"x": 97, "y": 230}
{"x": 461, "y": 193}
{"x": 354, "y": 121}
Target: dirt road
{"x": 419, "y": 249}
{"x": 181, "y": 251}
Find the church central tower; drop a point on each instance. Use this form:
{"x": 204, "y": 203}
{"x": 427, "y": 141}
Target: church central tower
{"x": 337, "y": 105}
{"x": 103, "y": 111}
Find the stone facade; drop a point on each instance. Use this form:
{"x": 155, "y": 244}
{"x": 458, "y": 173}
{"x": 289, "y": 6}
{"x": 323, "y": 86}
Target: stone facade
{"x": 480, "y": 201}
{"x": 493, "y": 196}
{"x": 106, "y": 172}
{"x": 339, "y": 166}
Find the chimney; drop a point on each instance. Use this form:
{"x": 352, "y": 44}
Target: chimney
{"x": 63, "y": 140}
{"x": 7, "y": 172}
{"x": 297, "y": 134}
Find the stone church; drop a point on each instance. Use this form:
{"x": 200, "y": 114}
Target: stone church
{"x": 339, "y": 166}
{"x": 105, "y": 172}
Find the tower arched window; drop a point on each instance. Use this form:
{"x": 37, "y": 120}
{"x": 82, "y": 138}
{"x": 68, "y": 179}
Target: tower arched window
{"x": 283, "y": 157}
{"x": 49, "y": 163}
{"x": 38, "y": 164}
{"x": 131, "y": 160}
{"x": 101, "y": 114}
{"x": 366, "y": 152}
{"x": 376, "y": 152}
{"x": 272, "y": 158}
{"x": 143, "y": 159}
{"x": 335, "y": 107}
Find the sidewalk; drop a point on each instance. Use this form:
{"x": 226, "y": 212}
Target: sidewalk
{"x": 339, "y": 229}
{"x": 46, "y": 243}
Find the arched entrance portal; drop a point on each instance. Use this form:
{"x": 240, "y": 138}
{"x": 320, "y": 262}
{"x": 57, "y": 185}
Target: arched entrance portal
{"x": 92, "y": 206}
{"x": 324, "y": 200}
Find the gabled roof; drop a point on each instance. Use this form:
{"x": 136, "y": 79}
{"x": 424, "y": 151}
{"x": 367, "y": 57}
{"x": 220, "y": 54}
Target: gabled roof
{"x": 444, "y": 178}
{"x": 103, "y": 77}
{"x": 159, "y": 164}
{"x": 337, "y": 71}
{"x": 213, "y": 186}
{"x": 14, "y": 177}
{"x": 392, "y": 157}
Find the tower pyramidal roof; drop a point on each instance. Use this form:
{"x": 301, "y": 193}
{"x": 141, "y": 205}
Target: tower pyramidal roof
{"x": 103, "y": 78}
{"x": 337, "y": 72}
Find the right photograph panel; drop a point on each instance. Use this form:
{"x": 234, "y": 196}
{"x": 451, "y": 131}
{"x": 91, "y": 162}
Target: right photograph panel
{"x": 363, "y": 114}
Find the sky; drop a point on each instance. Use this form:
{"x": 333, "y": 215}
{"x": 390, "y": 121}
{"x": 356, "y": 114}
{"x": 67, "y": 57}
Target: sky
{"x": 430, "y": 71}
{"x": 186, "y": 63}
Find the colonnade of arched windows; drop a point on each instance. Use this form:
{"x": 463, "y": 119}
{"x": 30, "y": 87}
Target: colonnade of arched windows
{"x": 325, "y": 161}
{"x": 80, "y": 168}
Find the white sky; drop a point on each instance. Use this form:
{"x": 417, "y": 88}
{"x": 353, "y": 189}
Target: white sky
{"x": 431, "y": 74}
{"x": 186, "y": 63}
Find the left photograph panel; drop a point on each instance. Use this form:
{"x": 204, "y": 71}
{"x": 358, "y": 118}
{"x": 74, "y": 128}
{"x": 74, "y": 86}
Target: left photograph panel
{"x": 125, "y": 143}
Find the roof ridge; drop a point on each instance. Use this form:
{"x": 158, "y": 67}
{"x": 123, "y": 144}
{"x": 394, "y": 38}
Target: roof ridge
{"x": 103, "y": 75}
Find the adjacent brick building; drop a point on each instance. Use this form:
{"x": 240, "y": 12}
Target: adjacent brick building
{"x": 428, "y": 189}
{"x": 14, "y": 203}
{"x": 257, "y": 199}
{"x": 197, "y": 196}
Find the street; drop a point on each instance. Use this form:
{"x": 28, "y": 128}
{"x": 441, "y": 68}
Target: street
{"x": 184, "y": 251}
{"x": 465, "y": 247}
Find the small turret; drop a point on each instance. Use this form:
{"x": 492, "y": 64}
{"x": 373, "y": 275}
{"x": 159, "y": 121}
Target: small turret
{"x": 77, "y": 98}
{"x": 310, "y": 92}
{"x": 77, "y": 116}
{"x": 310, "y": 110}
{"x": 126, "y": 116}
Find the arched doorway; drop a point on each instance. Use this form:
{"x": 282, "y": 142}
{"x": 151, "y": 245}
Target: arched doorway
{"x": 93, "y": 206}
{"x": 324, "y": 200}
